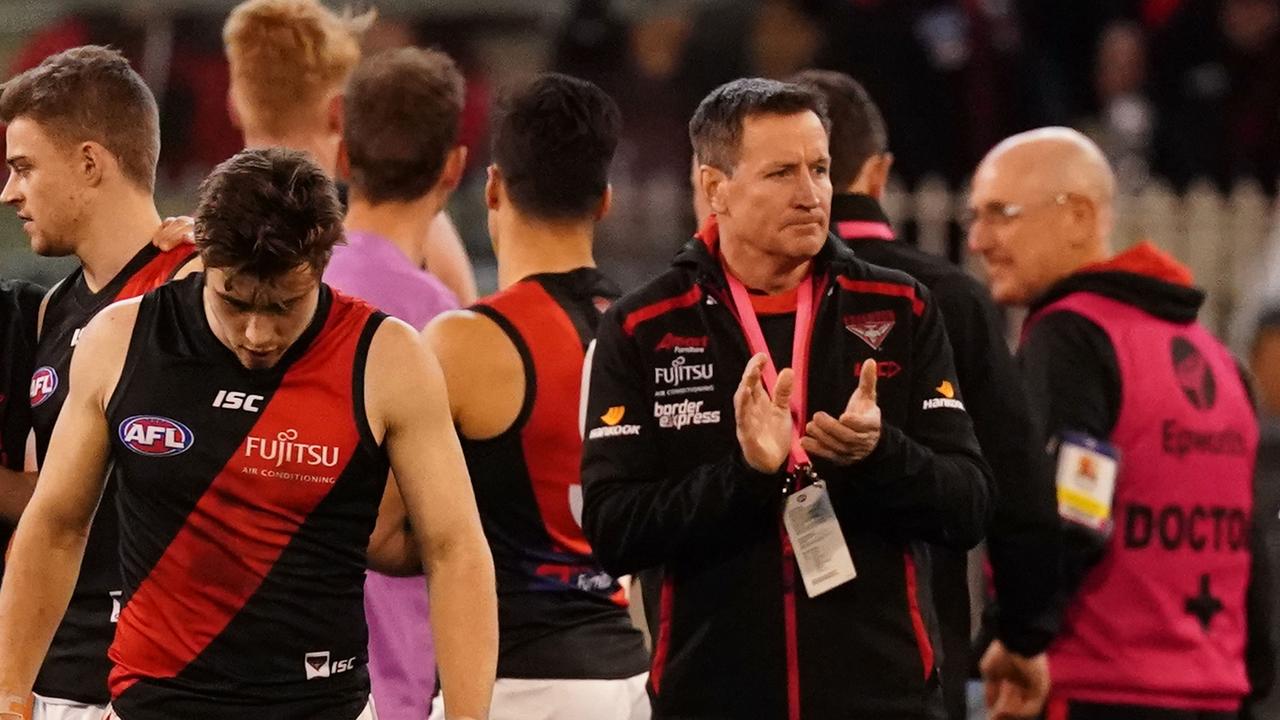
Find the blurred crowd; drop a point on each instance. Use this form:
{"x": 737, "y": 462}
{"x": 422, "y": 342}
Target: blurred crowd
{"x": 1182, "y": 89}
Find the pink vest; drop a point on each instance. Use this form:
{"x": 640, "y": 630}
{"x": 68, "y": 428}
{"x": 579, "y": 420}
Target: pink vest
{"x": 1160, "y": 621}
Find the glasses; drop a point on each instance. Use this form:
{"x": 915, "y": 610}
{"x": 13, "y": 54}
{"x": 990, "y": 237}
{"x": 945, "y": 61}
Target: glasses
{"x": 1002, "y": 213}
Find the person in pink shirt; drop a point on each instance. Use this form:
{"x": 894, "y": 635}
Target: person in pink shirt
{"x": 401, "y": 157}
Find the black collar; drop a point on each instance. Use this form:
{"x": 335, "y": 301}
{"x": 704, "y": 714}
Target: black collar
{"x": 863, "y": 209}
{"x": 856, "y": 207}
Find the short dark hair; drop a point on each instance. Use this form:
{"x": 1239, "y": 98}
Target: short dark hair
{"x": 266, "y": 212}
{"x": 90, "y": 93}
{"x": 553, "y": 140}
{"x": 403, "y": 110}
{"x": 857, "y": 128}
{"x": 716, "y": 127}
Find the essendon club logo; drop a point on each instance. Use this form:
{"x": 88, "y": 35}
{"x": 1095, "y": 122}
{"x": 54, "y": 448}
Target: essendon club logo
{"x": 317, "y": 664}
{"x": 872, "y": 327}
{"x": 155, "y": 436}
{"x": 671, "y": 341}
{"x": 44, "y": 382}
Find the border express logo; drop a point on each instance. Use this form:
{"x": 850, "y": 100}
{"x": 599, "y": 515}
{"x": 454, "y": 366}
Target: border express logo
{"x": 611, "y": 428}
{"x": 44, "y": 382}
{"x": 155, "y": 436}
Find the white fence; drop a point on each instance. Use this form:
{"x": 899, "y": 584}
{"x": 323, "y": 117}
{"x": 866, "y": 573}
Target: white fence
{"x": 1224, "y": 239}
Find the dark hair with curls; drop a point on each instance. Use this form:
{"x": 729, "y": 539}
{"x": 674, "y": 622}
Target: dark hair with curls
{"x": 267, "y": 212}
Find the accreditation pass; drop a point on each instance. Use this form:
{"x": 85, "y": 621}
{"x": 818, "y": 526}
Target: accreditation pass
{"x": 815, "y": 535}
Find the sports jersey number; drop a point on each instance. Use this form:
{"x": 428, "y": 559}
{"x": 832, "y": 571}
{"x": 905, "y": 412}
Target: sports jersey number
{"x": 233, "y": 400}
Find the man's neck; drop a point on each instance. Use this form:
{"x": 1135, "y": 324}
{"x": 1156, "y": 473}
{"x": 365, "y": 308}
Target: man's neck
{"x": 404, "y": 224}
{"x": 761, "y": 271}
{"x": 112, "y": 237}
{"x": 322, "y": 148}
{"x": 533, "y": 248}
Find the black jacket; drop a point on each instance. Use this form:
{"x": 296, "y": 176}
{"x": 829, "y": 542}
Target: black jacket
{"x": 1073, "y": 383}
{"x": 681, "y": 496}
{"x": 1023, "y": 537}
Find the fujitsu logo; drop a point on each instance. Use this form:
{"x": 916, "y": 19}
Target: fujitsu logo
{"x": 286, "y": 449}
{"x": 679, "y": 372}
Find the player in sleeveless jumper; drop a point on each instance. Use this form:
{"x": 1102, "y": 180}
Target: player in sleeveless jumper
{"x": 250, "y": 416}
{"x": 82, "y": 143}
{"x": 513, "y": 364}
{"x": 1154, "y": 435}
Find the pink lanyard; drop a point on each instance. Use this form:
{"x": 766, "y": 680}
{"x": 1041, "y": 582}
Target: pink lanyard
{"x": 799, "y": 355}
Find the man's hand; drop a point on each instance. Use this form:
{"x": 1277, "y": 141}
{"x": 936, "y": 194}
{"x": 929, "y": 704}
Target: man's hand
{"x": 764, "y": 422}
{"x": 175, "y": 231}
{"x": 854, "y": 435}
{"x": 1016, "y": 686}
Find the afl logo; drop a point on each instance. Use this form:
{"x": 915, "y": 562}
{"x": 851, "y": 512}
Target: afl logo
{"x": 155, "y": 436}
{"x": 43, "y": 384}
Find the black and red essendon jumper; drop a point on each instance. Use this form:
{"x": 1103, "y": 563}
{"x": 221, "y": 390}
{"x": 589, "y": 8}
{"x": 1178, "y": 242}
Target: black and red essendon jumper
{"x": 560, "y": 615}
{"x": 76, "y": 665}
{"x": 248, "y": 517}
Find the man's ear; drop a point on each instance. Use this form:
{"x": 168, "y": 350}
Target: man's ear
{"x": 1083, "y": 215}
{"x": 344, "y": 161}
{"x": 494, "y": 192}
{"x": 873, "y": 177}
{"x": 94, "y": 162}
{"x": 455, "y": 165}
{"x": 234, "y": 112}
{"x": 714, "y": 182}
{"x": 605, "y": 204}
{"x": 334, "y": 120}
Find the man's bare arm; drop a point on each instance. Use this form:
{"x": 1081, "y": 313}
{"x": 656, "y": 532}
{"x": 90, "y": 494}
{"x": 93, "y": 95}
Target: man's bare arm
{"x": 447, "y": 259}
{"x": 407, "y": 401}
{"x": 392, "y": 548}
{"x": 50, "y": 540}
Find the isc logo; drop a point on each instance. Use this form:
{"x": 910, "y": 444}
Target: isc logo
{"x": 43, "y": 383}
{"x": 318, "y": 665}
{"x": 155, "y": 436}
{"x": 233, "y": 400}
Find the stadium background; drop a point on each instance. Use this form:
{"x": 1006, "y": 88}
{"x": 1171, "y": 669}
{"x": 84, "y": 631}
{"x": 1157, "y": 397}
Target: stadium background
{"x": 1182, "y": 94}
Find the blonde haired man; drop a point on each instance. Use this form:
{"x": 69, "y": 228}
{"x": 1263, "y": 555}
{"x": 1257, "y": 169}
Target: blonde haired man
{"x": 290, "y": 60}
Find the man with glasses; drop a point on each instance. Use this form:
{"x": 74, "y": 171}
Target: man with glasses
{"x": 1154, "y": 436}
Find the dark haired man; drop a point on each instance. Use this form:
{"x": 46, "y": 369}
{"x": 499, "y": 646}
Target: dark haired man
{"x": 82, "y": 141}
{"x": 400, "y": 147}
{"x": 513, "y": 364}
{"x": 250, "y": 416}
{"x": 1023, "y": 537}
{"x": 718, "y": 392}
